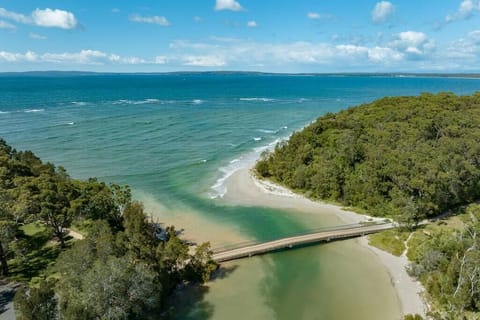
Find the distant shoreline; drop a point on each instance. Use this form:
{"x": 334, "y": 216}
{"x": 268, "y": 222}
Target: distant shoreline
{"x": 74, "y": 73}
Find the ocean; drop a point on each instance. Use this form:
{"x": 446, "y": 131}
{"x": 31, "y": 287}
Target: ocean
{"x": 175, "y": 138}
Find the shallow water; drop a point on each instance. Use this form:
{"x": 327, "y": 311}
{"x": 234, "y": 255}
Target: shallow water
{"x": 174, "y": 139}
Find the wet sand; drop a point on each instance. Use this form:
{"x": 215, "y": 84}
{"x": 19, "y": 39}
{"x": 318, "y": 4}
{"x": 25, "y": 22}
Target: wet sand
{"x": 244, "y": 189}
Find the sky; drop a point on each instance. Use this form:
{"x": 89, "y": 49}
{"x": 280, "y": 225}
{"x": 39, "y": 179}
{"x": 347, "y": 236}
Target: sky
{"x": 293, "y": 36}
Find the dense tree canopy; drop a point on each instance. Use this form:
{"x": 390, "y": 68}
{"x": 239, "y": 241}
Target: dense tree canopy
{"x": 125, "y": 268}
{"x": 408, "y": 157}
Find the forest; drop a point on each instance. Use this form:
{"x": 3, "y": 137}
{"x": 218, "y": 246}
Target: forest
{"x": 402, "y": 157}
{"x": 125, "y": 267}
{"x": 407, "y": 158}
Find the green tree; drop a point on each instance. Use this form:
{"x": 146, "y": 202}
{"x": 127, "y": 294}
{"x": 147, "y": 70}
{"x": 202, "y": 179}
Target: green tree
{"x": 36, "y": 303}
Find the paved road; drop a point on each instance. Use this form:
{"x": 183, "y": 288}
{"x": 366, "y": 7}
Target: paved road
{"x": 289, "y": 242}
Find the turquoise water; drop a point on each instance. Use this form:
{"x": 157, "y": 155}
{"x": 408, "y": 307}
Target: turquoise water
{"x": 174, "y": 138}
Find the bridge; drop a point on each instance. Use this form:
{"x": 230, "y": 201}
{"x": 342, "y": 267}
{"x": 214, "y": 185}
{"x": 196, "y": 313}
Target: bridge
{"x": 248, "y": 249}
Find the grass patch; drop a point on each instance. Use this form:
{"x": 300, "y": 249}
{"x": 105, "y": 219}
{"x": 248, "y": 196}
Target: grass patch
{"x": 392, "y": 241}
{"x": 424, "y": 233}
{"x": 34, "y": 253}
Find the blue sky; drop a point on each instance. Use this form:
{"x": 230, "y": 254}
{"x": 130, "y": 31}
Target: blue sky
{"x": 250, "y": 35}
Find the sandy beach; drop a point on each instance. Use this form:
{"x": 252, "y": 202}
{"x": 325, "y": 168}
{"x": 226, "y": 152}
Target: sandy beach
{"x": 244, "y": 189}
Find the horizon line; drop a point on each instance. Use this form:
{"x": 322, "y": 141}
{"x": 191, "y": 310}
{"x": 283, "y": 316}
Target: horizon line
{"x": 401, "y": 73}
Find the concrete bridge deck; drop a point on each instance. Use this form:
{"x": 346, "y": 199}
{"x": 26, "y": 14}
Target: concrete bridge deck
{"x": 342, "y": 232}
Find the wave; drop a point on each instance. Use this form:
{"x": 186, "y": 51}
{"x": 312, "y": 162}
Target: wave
{"x": 197, "y": 101}
{"x": 79, "y": 103}
{"x": 33, "y": 110}
{"x": 219, "y": 189}
{"x": 71, "y": 123}
{"x": 267, "y": 131}
{"x": 302, "y": 100}
{"x": 257, "y": 99}
{"x": 4, "y": 112}
{"x": 257, "y": 138}
{"x": 136, "y": 102}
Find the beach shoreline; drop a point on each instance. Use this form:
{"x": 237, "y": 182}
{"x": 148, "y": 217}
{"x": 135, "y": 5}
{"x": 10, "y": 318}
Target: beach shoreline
{"x": 243, "y": 188}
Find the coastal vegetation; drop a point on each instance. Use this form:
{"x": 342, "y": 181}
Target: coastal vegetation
{"x": 403, "y": 157}
{"x": 126, "y": 267}
{"x": 408, "y": 158}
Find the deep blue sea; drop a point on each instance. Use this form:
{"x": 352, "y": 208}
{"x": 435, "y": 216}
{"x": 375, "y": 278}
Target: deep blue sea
{"x": 174, "y": 138}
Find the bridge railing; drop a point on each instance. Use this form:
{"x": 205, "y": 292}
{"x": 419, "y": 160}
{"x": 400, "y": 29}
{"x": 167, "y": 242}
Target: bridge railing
{"x": 297, "y": 234}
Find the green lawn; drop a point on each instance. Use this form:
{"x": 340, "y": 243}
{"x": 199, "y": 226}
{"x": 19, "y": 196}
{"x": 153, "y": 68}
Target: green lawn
{"x": 392, "y": 241}
{"x": 35, "y": 251}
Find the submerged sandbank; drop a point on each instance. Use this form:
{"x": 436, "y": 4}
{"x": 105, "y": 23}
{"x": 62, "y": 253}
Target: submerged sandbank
{"x": 244, "y": 189}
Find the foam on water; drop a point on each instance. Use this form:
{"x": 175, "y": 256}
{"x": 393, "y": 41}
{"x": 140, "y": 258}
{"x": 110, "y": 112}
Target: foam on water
{"x": 219, "y": 189}
{"x": 79, "y": 103}
{"x": 33, "y": 110}
{"x": 257, "y": 99}
{"x": 267, "y": 131}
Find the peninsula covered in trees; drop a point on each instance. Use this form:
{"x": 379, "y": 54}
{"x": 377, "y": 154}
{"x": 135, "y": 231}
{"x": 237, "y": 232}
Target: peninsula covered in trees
{"x": 408, "y": 158}
{"x": 126, "y": 266}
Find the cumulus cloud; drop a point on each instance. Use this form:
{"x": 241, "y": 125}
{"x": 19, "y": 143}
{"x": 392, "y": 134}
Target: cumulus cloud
{"x": 83, "y": 57}
{"x": 17, "y": 57}
{"x": 50, "y": 18}
{"x": 313, "y": 15}
{"x": 248, "y": 53}
{"x": 6, "y": 25}
{"x": 227, "y": 5}
{"x": 465, "y": 11}
{"x": 54, "y": 18}
{"x": 382, "y": 11}
{"x": 413, "y": 44}
{"x": 465, "y": 49}
{"x": 252, "y": 24}
{"x": 160, "y": 20}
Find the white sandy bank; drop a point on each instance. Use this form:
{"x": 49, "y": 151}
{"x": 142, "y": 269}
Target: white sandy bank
{"x": 244, "y": 189}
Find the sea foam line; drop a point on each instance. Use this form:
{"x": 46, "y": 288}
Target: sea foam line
{"x": 219, "y": 189}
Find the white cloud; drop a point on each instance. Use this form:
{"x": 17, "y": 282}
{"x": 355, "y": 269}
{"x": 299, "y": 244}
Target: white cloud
{"x": 17, "y": 57}
{"x": 204, "y": 61}
{"x": 53, "y": 18}
{"x": 17, "y": 17}
{"x": 248, "y": 53}
{"x": 197, "y": 19}
{"x": 313, "y": 15}
{"x": 161, "y": 60}
{"x": 227, "y": 5}
{"x": 465, "y": 11}
{"x": 82, "y": 57}
{"x": 36, "y": 36}
{"x": 413, "y": 44}
{"x": 160, "y": 20}
{"x": 6, "y": 25}
{"x": 252, "y": 24}
{"x": 474, "y": 36}
{"x": 382, "y": 11}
